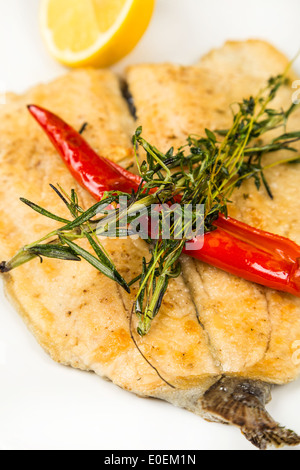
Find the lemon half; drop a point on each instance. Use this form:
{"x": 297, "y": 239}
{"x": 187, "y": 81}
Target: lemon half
{"x": 93, "y": 32}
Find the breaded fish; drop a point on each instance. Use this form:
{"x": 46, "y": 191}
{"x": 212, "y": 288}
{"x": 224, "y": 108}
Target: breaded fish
{"x": 219, "y": 342}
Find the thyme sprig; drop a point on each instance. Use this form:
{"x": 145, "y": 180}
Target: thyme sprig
{"x": 205, "y": 172}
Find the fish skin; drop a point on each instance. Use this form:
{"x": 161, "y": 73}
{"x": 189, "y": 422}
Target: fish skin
{"x": 82, "y": 318}
{"x": 242, "y": 403}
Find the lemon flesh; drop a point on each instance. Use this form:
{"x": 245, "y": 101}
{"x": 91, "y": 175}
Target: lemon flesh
{"x": 93, "y": 32}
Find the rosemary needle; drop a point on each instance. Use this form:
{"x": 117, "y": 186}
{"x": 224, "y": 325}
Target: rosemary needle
{"x": 205, "y": 171}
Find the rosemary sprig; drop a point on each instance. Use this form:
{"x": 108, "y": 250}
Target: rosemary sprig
{"x": 60, "y": 244}
{"x": 203, "y": 172}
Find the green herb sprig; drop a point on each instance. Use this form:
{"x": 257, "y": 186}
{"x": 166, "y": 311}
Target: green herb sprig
{"x": 205, "y": 171}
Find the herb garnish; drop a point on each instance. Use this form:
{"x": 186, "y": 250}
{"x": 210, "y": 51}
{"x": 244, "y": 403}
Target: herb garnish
{"x": 204, "y": 171}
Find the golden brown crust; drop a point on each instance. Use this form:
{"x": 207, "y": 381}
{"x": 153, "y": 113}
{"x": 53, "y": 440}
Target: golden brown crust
{"x": 80, "y": 317}
{"x": 210, "y": 323}
{"x": 254, "y": 58}
{"x": 251, "y": 330}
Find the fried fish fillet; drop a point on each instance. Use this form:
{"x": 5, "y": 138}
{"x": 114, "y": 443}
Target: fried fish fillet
{"x": 184, "y": 100}
{"x": 218, "y": 342}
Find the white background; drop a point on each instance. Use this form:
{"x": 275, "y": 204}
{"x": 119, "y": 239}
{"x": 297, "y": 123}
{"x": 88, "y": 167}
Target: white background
{"x": 47, "y": 406}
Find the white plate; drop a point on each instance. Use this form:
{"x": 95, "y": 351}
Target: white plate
{"x": 47, "y": 406}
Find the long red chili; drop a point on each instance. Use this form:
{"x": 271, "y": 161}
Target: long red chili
{"x": 95, "y": 173}
{"x": 237, "y": 248}
{"x": 226, "y": 252}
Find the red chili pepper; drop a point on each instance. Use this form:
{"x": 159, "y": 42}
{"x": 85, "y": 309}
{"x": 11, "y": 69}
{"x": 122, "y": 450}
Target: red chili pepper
{"x": 224, "y": 251}
{"x": 237, "y": 248}
{"x": 269, "y": 242}
{"x": 94, "y": 173}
